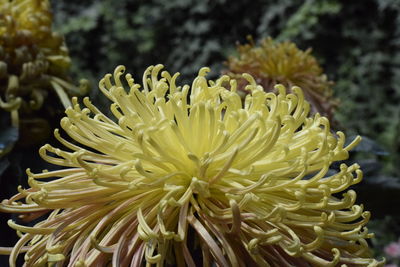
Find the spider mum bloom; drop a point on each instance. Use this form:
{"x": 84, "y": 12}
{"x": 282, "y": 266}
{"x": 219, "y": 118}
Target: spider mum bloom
{"x": 190, "y": 175}
{"x": 273, "y": 63}
{"x": 33, "y": 62}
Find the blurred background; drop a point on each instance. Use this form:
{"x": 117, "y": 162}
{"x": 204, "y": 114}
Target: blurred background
{"x": 357, "y": 43}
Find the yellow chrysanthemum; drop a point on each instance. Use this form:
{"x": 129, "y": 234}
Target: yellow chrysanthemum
{"x": 274, "y": 63}
{"x": 186, "y": 176}
{"x": 33, "y": 60}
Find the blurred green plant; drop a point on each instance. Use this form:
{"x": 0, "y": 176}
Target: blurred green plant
{"x": 182, "y": 34}
{"x": 306, "y": 19}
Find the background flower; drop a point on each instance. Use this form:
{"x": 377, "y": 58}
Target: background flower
{"x": 393, "y": 250}
{"x": 186, "y": 175}
{"x": 273, "y": 63}
{"x": 34, "y": 65}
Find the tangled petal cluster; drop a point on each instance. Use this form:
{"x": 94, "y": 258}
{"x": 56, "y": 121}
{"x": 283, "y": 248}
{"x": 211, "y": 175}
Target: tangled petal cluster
{"x": 186, "y": 176}
{"x": 274, "y": 63}
{"x": 33, "y": 60}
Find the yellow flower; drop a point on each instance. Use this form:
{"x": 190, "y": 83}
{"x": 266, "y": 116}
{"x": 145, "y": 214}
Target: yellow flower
{"x": 274, "y": 63}
{"x": 187, "y": 175}
{"x": 33, "y": 60}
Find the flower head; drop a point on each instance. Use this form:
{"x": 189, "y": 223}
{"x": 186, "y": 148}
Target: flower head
{"x": 393, "y": 249}
{"x": 187, "y": 175}
{"x": 274, "y": 63}
{"x": 33, "y": 60}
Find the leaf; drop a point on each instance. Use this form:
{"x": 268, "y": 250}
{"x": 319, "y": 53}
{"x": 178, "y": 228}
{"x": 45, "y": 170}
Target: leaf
{"x": 368, "y": 145}
{"x": 4, "y": 164}
{"x": 370, "y": 167}
{"x": 8, "y": 137}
